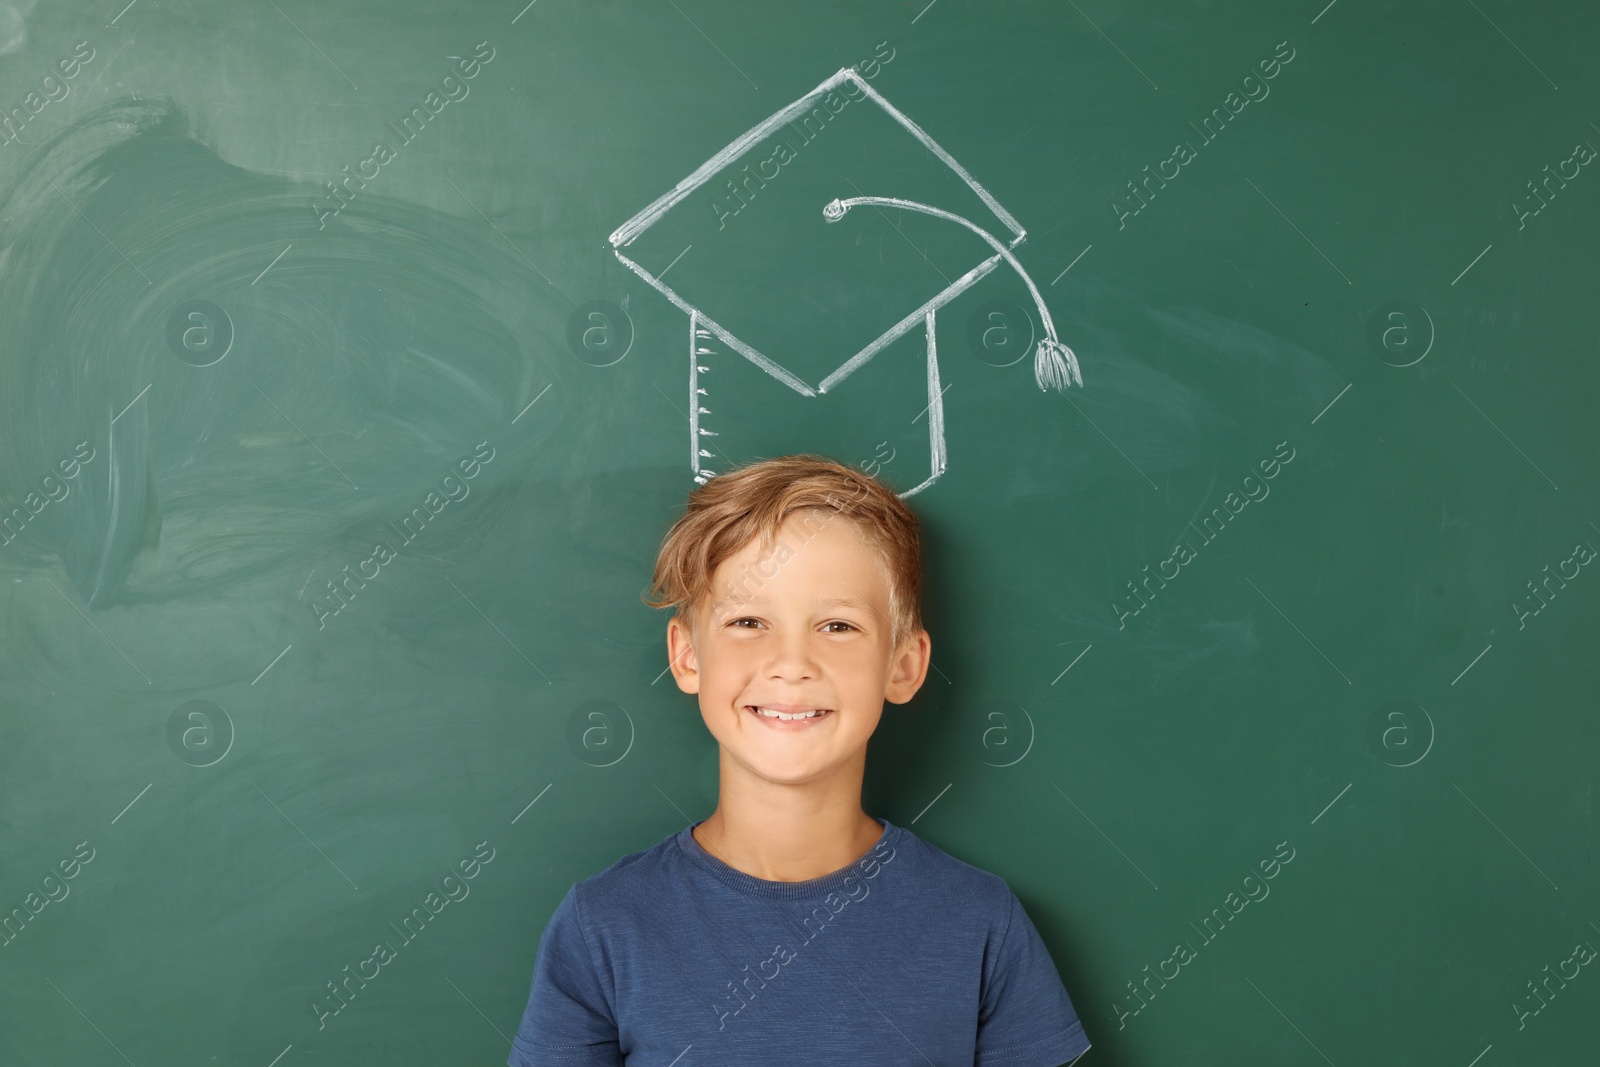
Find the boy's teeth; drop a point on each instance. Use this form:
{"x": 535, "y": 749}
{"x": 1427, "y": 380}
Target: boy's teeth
{"x": 813, "y": 714}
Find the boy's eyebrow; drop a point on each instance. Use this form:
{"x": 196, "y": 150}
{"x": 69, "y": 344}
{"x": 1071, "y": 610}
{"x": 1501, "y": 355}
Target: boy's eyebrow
{"x": 830, "y": 602}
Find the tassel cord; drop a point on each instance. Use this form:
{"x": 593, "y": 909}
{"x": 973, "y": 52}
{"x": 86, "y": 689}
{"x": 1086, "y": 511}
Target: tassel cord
{"x": 1048, "y": 350}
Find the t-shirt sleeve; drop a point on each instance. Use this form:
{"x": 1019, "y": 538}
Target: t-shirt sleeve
{"x": 1025, "y": 1018}
{"x": 568, "y": 1021}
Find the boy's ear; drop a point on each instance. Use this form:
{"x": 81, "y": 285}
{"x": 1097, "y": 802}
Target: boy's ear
{"x": 910, "y": 668}
{"x": 683, "y": 661}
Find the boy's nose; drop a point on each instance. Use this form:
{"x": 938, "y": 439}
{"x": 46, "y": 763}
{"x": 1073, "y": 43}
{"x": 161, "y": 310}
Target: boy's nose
{"x": 793, "y": 659}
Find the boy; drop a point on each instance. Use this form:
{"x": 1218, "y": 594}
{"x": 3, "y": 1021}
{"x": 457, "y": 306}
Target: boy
{"x": 790, "y": 927}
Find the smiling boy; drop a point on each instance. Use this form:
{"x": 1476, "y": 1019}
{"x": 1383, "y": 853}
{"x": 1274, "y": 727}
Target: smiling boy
{"x": 791, "y": 927}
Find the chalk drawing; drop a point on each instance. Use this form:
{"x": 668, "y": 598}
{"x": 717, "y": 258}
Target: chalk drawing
{"x": 1055, "y": 365}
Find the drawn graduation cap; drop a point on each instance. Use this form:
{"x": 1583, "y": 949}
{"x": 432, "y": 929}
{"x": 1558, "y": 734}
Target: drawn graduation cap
{"x": 810, "y": 246}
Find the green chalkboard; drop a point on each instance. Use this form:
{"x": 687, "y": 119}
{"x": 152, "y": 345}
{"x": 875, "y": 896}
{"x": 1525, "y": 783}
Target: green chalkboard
{"x": 1238, "y": 358}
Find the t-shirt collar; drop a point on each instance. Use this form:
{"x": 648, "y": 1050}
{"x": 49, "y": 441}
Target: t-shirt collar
{"x": 812, "y": 888}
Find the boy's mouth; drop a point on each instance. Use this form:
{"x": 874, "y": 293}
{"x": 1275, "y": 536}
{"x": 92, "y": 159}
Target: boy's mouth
{"x": 788, "y": 716}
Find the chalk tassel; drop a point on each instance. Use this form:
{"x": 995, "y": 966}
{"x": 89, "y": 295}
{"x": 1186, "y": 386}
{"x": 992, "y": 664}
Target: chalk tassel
{"x": 1054, "y": 366}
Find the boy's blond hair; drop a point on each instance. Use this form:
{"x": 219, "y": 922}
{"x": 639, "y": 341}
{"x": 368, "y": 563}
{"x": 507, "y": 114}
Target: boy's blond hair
{"x": 733, "y": 509}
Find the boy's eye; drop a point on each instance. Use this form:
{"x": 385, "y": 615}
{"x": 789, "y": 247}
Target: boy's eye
{"x": 737, "y": 624}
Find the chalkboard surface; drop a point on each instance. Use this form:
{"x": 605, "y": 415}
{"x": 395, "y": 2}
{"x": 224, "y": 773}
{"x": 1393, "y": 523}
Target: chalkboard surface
{"x": 1238, "y": 357}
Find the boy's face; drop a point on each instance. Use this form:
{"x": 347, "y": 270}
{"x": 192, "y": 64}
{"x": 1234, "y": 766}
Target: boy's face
{"x": 805, "y": 626}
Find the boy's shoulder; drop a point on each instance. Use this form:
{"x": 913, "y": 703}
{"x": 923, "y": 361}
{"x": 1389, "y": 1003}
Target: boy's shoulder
{"x": 627, "y": 873}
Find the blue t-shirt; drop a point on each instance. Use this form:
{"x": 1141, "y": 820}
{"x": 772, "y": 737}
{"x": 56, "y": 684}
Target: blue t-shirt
{"x": 907, "y": 956}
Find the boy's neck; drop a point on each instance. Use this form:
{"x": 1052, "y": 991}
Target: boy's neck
{"x": 788, "y": 844}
